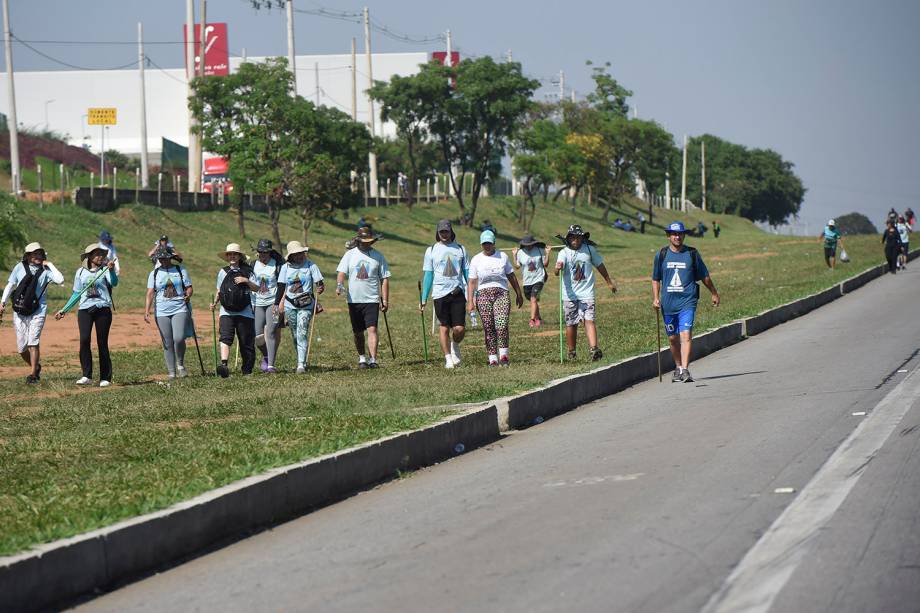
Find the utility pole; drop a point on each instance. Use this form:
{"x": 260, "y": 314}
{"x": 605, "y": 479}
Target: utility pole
{"x": 561, "y": 85}
{"x": 510, "y": 57}
{"x": 450, "y": 63}
{"x": 371, "y": 157}
{"x": 703, "y": 165}
{"x": 683, "y": 180}
{"x": 667, "y": 189}
{"x": 193, "y": 175}
{"x": 316, "y": 77}
{"x": 145, "y": 179}
{"x": 292, "y": 61}
{"x": 354, "y": 80}
{"x": 11, "y": 91}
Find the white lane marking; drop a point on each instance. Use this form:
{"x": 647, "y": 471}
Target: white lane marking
{"x": 784, "y": 490}
{"x": 765, "y": 569}
{"x": 593, "y": 480}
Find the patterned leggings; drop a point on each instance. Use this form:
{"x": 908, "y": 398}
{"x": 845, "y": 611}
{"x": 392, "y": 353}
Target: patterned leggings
{"x": 494, "y": 307}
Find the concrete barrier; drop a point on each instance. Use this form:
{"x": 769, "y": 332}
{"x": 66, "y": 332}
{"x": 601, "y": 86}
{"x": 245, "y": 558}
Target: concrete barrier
{"x": 56, "y": 573}
{"x": 862, "y": 278}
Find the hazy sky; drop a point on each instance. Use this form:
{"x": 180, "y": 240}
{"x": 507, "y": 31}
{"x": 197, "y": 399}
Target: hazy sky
{"x": 832, "y": 85}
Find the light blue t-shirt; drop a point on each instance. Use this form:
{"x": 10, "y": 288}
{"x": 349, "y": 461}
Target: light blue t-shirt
{"x": 299, "y": 280}
{"x": 168, "y": 285}
{"x": 366, "y": 272}
{"x": 99, "y": 293}
{"x": 531, "y": 263}
{"x": 578, "y": 271}
{"x": 830, "y": 238}
{"x": 267, "y": 281}
{"x": 246, "y": 312}
{"x": 679, "y": 277}
{"x": 46, "y": 277}
{"x": 450, "y": 267}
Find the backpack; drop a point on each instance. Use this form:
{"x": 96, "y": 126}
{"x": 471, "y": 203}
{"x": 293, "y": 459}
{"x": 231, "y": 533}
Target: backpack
{"x": 234, "y": 296}
{"x": 25, "y": 299}
{"x": 694, "y": 254}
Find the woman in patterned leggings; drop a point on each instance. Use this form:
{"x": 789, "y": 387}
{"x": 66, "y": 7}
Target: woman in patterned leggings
{"x": 490, "y": 274}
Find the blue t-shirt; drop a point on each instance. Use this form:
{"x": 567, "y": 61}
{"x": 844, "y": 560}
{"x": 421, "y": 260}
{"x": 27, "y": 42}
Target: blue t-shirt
{"x": 366, "y": 272}
{"x": 246, "y": 312}
{"x": 830, "y": 238}
{"x": 299, "y": 280}
{"x": 578, "y": 271}
{"x": 168, "y": 284}
{"x": 531, "y": 263}
{"x": 267, "y": 281}
{"x": 450, "y": 267}
{"x": 678, "y": 277}
{"x": 99, "y": 292}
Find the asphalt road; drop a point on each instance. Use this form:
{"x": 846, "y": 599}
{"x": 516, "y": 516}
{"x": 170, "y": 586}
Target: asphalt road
{"x": 660, "y": 498}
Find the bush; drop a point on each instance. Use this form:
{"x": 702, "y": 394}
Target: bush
{"x": 12, "y": 230}
{"x": 855, "y": 223}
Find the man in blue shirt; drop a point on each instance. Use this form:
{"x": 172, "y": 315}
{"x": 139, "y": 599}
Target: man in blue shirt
{"x": 830, "y": 237}
{"x": 445, "y": 270}
{"x": 679, "y": 268}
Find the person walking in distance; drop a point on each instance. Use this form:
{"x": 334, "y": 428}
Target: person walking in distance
{"x": 27, "y": 284}
{"x": 490, "y": 273}
{"x": 368, "y": 292}
{"x": 904, "y": 233}
{"x": 830, "y": 238}
{"x": 891, "y": 238}
{"x": 577, "y": 261}
{"x": 532, "y": 257}
{"x": 679, "y": 268}
{"x": 267, "y": 270}
{"x": 299, "y": 285}
{"x": 445, "y": 268}
{"x": 169, "y": 288}
{"x": 235, "y": 282}
{"x": 92, "y": 288}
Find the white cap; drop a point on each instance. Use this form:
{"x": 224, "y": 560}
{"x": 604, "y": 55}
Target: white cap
{"x": 33, "y": 247}
{"x": 830, "y": 222}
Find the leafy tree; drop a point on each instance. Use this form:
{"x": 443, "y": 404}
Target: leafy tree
{"x": 855, "y": 223}
{"x": 472, "y": 110}
{"x": 534, "y": 150}
{"x": 608, "y": 97}
{"x": 393, "y": 158}
{"x": 12, "y": 229}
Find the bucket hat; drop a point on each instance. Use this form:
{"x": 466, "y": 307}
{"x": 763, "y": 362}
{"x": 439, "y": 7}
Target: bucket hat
{"x": 232, "y": 248}
{"x": 366, "y": 235}
{"x": 295, "y": 247}
{"x": 529, "y": 241}
{"x": 91, "y": 248}
{"x": 675, "y": 227}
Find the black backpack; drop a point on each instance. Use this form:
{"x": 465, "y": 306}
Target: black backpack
{"x": 234, "y": 296}
{"x": 26, "y": 301}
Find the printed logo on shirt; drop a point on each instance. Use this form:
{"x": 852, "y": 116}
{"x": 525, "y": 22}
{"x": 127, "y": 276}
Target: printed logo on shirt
{"x": 362, "y": 272}
{"x": 297, "y": 285}
{"x": 263, "y": 284}
{"x": 675, "y": 285}
{"x": 579, "y": 273}
{"x": 449, "y": 270}
{"x": 531, "y": 267}
{"x": 93, "y": 291}
{"x": 169, "y": 289}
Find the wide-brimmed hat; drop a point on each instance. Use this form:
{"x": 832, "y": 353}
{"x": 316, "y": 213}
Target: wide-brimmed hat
{"x": 295, "y": 247}
{"x": 366, "y": 235}
{"x": 264, "y": 246}
{"x": 444, "y": 224}
{"x": 164, "y": 253}
{"x": 92, "y": 247}
{"x": 575, "y": 230}
{"x": 529, "y": 241}
{"x": 675, "y": 227}
{"x": 33, "y": 247}
{"x": 232, "y": 248}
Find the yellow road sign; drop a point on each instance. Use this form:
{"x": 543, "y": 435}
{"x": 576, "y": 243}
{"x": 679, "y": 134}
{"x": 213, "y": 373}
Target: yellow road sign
{"x": 102, "y": 116}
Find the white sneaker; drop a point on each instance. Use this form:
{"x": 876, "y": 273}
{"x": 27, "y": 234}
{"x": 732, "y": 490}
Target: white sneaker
{"x": 170, "y": 376}
{"x": 105, "y": 383}
{"x": 449, "y": 361}
{"x": 301, "y": 370}
{"x": 84, "y": 381}
{"x": 181, "y": 372}
{"x": 455, "y": 353}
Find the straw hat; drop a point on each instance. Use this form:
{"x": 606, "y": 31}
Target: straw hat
{"x": 295, "y": 247}
{"x": 91, "y": 248}
{"x": 232, "y": 248}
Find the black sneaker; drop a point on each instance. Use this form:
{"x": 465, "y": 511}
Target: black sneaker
{"x": 31, "y": 380}
{"x": 675, "y": 378}
{"x": 223, "y": 371}
{"x": 596, "y": 354}
{"x": 572, "y": 356}
{"x": 38, "y": 372}
{"x": 362, "y": 365}
{"x": 373, "y": 365}
{"x": 685, "y": 376}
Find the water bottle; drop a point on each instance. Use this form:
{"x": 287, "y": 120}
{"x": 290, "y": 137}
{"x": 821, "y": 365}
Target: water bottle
{"x": 474, "y": 319}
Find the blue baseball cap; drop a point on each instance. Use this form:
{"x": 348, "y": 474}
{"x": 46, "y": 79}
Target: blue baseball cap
{"x": 487, "y": 236}
{"x": 105, "y": 236}
{"x": 676, "y": 227}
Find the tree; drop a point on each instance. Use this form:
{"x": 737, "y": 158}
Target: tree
{"x": 533, "y": 150}
{"x": 855, "y": 223}
{"x": 12, "y": 230}
{"x": 393, "y": 158}
{"x": 472, "y": 110}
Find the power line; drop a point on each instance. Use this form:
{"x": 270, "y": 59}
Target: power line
{"x": 68, "y": 64}
{"x": 164, "y": 70}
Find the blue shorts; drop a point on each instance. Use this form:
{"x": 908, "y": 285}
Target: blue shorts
{"x": 675, "y": 323}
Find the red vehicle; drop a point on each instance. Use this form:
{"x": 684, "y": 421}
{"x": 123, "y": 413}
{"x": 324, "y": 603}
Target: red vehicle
{"x": 216, "y": 172}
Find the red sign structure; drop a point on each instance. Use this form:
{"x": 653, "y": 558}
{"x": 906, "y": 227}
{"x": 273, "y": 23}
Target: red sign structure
{"x": 441, "y": 57}
{"x": 216, "y": 48}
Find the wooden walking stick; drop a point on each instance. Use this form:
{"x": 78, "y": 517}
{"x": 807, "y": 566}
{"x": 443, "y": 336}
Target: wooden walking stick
{"x": 421, "y": 312}
{"x": 312, "y": 327}
{"x": 658, "y": 346}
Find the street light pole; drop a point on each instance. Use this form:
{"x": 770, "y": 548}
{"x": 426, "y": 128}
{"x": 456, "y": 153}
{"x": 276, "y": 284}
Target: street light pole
{"x": 11, "y": 92}
{"x": 47, "y": 102}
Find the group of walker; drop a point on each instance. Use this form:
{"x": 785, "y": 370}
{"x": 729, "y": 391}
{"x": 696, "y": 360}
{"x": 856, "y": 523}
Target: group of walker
{"x": 256, "y": 300}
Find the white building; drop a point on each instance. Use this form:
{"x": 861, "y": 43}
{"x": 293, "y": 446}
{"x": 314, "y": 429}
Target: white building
{"x": 60, "y": 99}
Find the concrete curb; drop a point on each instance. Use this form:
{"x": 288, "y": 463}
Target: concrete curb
{"x": 61, "y": 571}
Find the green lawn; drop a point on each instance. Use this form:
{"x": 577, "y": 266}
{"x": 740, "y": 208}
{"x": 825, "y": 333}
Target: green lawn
{"x": 74, "y": 459}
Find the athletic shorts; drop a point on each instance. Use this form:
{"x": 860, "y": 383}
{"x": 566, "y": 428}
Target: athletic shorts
{"x": 830, "y": 252}
{"x": 28, "y": 329}
{"x": 905, "y": 248}
{"x": 675, "y": 323}
{"x": 533, "y": 291}
{"x": 577, "y": 311}
{"x": 451, "y": 310}
{"x": 363, "y": 315}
